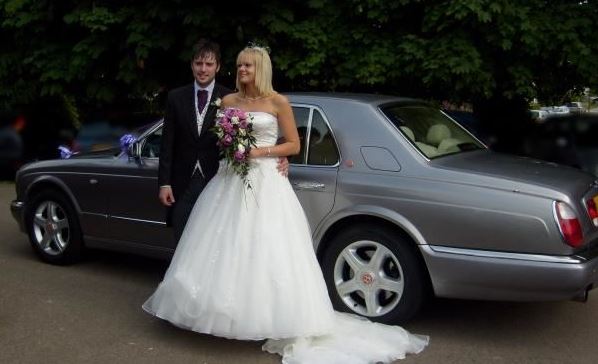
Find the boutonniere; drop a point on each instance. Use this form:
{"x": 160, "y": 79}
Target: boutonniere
{"x": 216, "y": 102}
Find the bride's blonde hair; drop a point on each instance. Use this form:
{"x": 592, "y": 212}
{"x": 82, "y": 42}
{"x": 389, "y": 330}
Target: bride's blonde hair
{"x": 263, "y": 70}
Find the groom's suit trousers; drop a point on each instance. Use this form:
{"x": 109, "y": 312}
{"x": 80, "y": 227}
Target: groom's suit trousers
{"x": 183, "y": 206}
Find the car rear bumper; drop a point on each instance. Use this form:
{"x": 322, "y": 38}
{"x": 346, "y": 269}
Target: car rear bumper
{"x": 488, "y": 275}
{"x": 17, "y": 209}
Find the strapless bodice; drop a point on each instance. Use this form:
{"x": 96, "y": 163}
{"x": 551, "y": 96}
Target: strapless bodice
{"x": 265, "y": 128}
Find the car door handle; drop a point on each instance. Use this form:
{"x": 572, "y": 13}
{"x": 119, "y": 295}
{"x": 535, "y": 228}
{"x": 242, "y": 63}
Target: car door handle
{"x": 93, "y": 181}
{"x": 309, "y": 185}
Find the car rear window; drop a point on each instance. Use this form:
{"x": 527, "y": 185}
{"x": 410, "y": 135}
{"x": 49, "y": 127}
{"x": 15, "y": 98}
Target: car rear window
{"x": 430, "y": 130}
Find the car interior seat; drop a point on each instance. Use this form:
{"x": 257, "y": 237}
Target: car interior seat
{"x": 439, "y": 136}
{"x": 408, "y": 132}
{"x": 437, "y": 133}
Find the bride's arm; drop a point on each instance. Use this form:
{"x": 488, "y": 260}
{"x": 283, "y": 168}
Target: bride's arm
{"x": 286, "y": 122}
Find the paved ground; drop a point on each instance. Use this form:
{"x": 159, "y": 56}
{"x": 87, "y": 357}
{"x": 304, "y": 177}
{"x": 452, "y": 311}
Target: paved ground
{"x": 90, "y": 313}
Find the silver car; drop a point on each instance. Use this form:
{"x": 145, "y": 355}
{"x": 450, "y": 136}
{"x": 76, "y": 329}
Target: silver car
{"x": 402, "y": 201}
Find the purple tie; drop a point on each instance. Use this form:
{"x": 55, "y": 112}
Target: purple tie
{"x": 202, "y": 99}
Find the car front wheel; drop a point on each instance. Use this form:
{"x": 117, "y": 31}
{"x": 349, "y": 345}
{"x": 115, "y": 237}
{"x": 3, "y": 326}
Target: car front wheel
{"x": 53, "y": 228}
{"x": 376, "y": 273}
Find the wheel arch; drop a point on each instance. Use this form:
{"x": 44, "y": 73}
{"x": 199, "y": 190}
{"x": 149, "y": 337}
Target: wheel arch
{"x": 51, "y": 183}
{"x": 373, "y": 215}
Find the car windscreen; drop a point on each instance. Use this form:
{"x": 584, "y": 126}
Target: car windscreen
{"x": 430, "y": 130}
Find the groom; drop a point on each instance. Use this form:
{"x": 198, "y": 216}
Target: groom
{"x": 189, "y": 156}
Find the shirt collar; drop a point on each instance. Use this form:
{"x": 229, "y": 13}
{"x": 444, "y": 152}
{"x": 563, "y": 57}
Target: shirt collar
{"x": 210, "y": 87}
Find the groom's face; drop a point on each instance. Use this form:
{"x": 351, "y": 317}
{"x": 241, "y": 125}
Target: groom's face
{"x": 204, "y": 69}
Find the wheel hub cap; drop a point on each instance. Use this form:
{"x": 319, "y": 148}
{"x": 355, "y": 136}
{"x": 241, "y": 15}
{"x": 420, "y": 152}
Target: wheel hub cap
{"x": 367, "y": 278}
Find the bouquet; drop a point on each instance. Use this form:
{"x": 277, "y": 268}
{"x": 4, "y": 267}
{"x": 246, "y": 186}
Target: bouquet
{"x": 235, "y": 139}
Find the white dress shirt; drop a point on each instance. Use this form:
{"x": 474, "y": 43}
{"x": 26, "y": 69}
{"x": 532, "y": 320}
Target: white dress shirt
{"x": 201, "y": 114}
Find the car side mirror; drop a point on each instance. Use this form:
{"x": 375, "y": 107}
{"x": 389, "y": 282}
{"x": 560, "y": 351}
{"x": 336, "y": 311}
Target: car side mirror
{"x": 134, "y": 150}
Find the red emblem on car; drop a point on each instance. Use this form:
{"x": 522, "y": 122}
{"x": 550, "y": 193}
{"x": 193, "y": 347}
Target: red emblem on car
{"x": 367, "y": 278}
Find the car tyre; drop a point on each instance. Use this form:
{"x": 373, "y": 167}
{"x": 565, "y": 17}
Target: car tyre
{"x": 53, "y": 228}
{"x": 374, "y": 272}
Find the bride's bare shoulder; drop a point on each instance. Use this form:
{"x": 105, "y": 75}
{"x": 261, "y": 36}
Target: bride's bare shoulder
{"x": 280, "y": 102}
{"x": 229, "y": 99}
{"x": 279, "y": 99}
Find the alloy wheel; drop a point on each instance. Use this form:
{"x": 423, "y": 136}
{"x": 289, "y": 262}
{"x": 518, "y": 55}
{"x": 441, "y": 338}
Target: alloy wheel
{"x": 51, "y": 228}
{"x": 369, "y": 278}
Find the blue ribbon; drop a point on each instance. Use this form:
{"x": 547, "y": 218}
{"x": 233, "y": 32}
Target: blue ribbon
{"x": 126, "y": 141}
{"x": 65, "y": 152}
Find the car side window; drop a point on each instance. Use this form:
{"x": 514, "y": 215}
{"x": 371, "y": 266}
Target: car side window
{"x": 301, "y": 120}
{"x": 322, "y": 148}
{"x": 151, "y": 145}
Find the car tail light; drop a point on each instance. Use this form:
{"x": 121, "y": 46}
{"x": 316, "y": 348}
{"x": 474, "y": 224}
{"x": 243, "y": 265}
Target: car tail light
{"x": 591, "y": 206}
{"x": 569, "y": 224}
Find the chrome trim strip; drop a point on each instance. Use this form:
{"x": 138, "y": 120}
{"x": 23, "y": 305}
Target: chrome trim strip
{"x": 507, "y": 255}
{"x": 332, "y": 166}
{"x": 139, "y": 220}
{"x": 91, "y": 174}
{"x": 93, "y": 214}
{"x": 555, "y": 217}
{"x": 17, "y": 204}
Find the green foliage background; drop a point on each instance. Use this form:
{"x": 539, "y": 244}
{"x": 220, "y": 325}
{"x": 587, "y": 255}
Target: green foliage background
{"x": 101, "y": 53}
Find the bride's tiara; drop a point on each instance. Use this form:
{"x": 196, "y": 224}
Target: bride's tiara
{"x": 254, "y": 45}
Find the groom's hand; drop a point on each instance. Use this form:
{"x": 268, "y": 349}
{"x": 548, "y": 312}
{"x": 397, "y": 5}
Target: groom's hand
{"x": 166, "y": 197}
{"x": 283, "y": 166}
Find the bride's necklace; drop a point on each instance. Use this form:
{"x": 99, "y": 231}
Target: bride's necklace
{"x": 248, "y": 98}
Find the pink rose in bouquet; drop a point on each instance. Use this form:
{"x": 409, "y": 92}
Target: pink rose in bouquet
{"x": 234, "y": 130}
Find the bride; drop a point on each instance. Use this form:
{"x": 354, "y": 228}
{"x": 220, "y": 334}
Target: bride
{"x": 245, "y": 267}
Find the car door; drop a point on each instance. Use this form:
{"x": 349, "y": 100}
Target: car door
{"x": 313, "y": 172}
{"x": 134, "y": 213}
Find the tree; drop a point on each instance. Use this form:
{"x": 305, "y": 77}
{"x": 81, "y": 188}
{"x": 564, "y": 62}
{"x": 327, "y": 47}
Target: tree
{"x": 96, "y": 53}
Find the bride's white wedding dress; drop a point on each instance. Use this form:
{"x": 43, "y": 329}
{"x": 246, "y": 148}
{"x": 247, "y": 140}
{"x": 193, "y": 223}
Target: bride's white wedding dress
{"x": 245, "y": 268}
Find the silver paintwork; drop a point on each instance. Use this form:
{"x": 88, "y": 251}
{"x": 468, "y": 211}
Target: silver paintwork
{"x": 482, "y": 222}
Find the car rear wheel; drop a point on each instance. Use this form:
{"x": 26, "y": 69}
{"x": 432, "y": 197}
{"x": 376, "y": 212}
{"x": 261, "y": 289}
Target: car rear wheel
{"x": 53, "y": 228}
{"x": 376, "y": 273}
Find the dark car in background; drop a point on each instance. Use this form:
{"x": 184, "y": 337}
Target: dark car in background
{"x": 11, "y": 144}
{"x": 33, "y": 132}
{"x": 570, "y": 140}
{"x": 105, "y": 133}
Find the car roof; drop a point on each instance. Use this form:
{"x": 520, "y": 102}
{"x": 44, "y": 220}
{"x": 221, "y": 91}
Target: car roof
{"x": 374, "y": 99}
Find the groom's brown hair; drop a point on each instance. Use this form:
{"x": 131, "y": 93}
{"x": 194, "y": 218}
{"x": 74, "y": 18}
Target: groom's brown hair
{"x": 204, "y": 48}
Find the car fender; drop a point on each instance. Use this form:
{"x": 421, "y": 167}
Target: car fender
{"x": 55, "y": 182}
{"x": 386, "y": 214}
